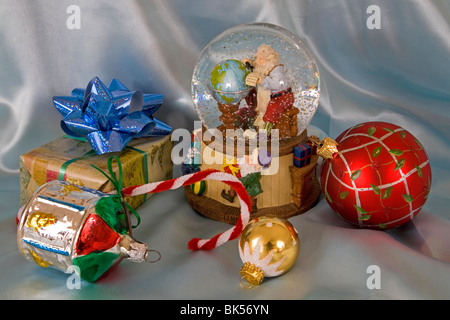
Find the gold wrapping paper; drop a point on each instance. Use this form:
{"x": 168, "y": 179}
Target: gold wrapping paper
{"x": 144, "y": 160}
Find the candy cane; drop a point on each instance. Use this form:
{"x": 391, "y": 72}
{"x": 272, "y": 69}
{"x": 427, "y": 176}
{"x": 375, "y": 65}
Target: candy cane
{"x": 186, "y": 180}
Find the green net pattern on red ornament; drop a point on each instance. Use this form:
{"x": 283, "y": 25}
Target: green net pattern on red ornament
{"x": 380, "y": 178}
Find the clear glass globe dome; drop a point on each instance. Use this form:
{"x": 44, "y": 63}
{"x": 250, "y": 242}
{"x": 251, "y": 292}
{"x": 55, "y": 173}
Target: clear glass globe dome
{"x": 281, "y": 94}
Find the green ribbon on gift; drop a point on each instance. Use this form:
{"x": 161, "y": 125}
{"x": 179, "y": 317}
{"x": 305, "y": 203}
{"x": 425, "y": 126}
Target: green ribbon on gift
{"x": 117, "y": 183}
{"x": 63, "y": 169}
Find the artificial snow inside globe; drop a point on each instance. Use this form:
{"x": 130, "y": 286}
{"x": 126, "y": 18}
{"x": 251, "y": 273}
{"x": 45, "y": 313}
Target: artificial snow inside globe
{"x": 255, "y": 88}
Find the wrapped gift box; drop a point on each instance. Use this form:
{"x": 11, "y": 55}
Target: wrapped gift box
{"x": 302, "y": 155}
{"x": 144, "y": 160}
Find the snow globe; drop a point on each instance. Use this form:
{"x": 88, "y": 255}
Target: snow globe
{"x": 255, "y": 88}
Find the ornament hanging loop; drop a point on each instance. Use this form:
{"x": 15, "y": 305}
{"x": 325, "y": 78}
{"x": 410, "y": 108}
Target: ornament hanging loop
{"x": 137, "y": 251}
{"x": 146, "y": 257}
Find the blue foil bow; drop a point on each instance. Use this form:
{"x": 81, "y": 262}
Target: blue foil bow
{"x": 109, "y": 117}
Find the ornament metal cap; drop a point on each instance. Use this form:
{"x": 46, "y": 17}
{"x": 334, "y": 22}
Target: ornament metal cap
{"x": 137, "y": 251}
{"x": 252, "y": 274}
{"x": 326, "y": 148}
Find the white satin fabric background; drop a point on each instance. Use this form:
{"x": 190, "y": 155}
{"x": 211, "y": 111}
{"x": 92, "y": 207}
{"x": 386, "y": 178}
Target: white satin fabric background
{"x": 399, "y": 73}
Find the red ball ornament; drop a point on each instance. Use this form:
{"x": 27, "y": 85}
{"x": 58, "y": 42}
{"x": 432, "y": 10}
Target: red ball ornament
{"x": 379, "y": 179}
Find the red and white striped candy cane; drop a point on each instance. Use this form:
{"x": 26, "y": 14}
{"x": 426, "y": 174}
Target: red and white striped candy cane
{"x": 186, "y": 180}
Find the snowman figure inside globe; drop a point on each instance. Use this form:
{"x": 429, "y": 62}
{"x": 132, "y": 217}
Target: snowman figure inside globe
{"x": 227, "y": 83}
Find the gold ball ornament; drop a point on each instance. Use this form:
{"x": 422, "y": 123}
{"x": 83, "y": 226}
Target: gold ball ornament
{"x": 268, "y": 247}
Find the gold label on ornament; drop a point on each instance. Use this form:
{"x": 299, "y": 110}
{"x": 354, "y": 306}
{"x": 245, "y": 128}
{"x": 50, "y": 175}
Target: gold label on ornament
{"x": 40, "y": 220}
{"x": 39, "y": 261}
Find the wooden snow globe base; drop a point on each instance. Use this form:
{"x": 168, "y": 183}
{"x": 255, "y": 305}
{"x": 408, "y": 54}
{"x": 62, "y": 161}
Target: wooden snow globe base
{"x": 287, "y": 192}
